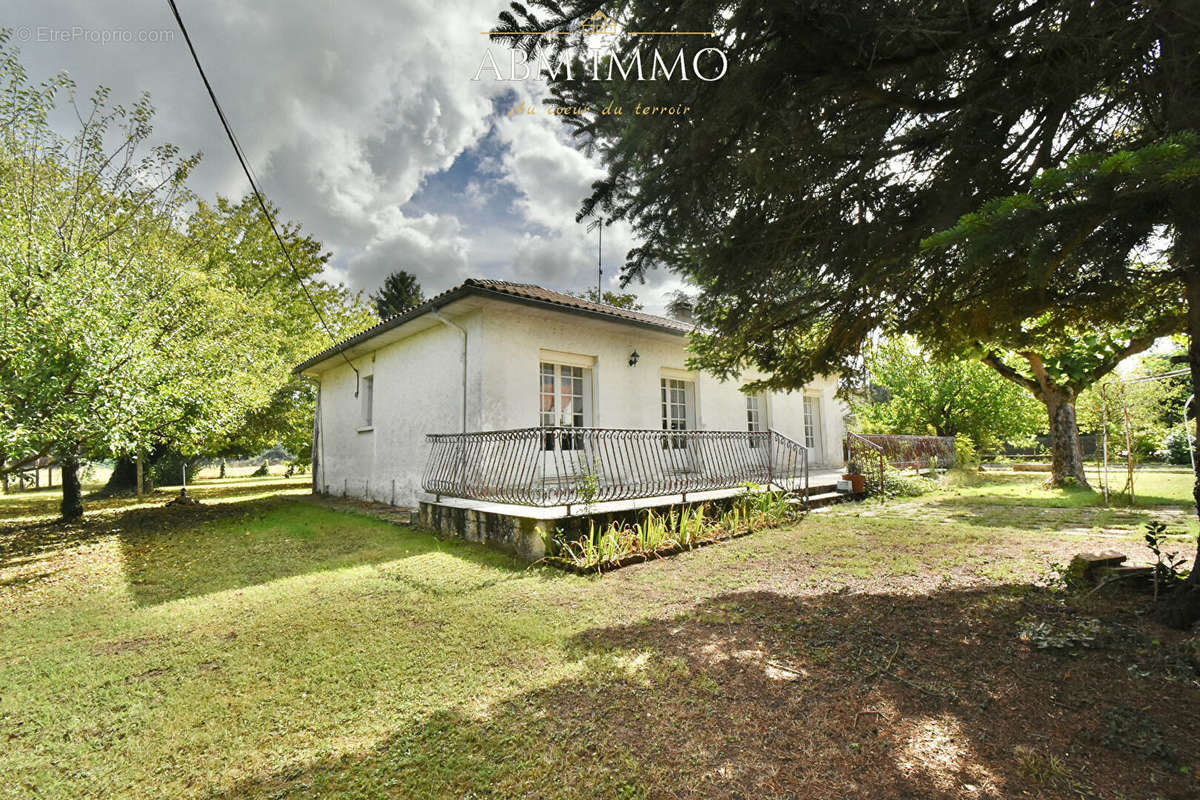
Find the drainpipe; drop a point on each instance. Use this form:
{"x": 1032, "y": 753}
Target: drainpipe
{"x": 438, "y": 316}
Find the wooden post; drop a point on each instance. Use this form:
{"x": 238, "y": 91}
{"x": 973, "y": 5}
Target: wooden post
{"x": 1128, "y": 444}
{"x": 137, "y": 459}
{"x": 1104, "y": 429}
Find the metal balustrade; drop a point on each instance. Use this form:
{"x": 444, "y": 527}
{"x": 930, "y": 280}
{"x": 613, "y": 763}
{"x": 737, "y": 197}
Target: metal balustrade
{"x": 919, "y": 452}
{"x": 553, "y": 466}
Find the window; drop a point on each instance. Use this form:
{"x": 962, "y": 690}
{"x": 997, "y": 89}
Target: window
{"x": 678, "y": 410}
{"x": 564, "y": 401}
{"x": 366, "y": 399}
{"x": 812, "y": 422}
{"x": 756, "y": 415}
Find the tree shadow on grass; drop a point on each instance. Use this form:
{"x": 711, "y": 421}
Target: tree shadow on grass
{"x": 757, "y": 694}
{"x": 173, "y": 553}
{"x": 26, "y": 516}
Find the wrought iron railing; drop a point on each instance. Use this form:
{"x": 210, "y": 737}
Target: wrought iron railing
{"x": 569, "y": 466}
{"x": 919, "y": 452}
{"x": 866, "y": 458}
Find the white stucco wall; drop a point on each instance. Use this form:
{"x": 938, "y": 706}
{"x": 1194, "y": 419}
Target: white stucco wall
{"x": 418, "y": 390}
{"x": 625, "y": 396}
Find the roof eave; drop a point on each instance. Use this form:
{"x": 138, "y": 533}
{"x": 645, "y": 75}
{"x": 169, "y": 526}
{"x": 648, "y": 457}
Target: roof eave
{"x": 587, "y": 312}
{"x": 467, "y": 290}
{"x": 386, "y": 325}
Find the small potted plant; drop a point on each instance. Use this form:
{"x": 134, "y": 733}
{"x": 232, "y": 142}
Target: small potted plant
{"x": 858, "y": 481}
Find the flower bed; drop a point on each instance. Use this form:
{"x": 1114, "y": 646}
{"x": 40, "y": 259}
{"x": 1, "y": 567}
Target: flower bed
{"x": 657, "y": 535}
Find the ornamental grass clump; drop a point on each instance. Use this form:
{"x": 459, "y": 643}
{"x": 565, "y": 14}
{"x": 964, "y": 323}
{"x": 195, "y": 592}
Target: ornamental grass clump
{"x": 658, "y": 534}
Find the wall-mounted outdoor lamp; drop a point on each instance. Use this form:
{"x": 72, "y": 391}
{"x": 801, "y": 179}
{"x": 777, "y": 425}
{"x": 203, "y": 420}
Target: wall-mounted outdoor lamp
{"x": 633, "y": 358}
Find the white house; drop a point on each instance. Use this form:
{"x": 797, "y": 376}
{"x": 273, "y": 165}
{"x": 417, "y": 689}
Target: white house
{"x": 491, "y": 356}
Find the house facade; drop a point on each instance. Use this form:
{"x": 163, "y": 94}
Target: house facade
{"x": 496, "y": 356}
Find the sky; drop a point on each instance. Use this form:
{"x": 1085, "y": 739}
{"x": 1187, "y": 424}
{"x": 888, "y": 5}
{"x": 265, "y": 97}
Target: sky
{"x": 361, "y": 121}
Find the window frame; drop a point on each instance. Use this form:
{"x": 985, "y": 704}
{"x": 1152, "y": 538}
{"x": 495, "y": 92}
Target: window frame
{"x": 580, "y": 398}
{"x": 812, "y": 421}
{"x": 669, "y": 405}
{"x": 366, "y": 403}
{"x": 757, "y": 418}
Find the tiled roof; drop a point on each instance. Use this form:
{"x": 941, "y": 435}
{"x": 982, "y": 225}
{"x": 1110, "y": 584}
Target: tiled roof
{"x": 532, "y": 292}
{"x": 527, "y": 293}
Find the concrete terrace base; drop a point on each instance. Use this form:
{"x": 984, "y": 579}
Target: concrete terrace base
{"x": 521, "y": 530}
{"x": 521, "y": 536}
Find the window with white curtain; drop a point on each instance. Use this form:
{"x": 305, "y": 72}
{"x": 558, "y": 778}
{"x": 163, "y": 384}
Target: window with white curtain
{"x": 564, "y": 401}
{"x": 756, "y": 415}
{"x": 678, "y": 410}
{"x": 812, "y": 422}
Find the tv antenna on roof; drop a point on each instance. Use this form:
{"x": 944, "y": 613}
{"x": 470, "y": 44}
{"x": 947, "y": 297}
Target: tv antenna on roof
{"x": 598, "y": 224}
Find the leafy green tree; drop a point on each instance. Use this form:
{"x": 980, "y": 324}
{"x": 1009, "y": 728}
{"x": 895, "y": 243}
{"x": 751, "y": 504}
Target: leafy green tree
{"x": 400, "y": 292}
{"x": 803, "y": 220}
{"x": 1114, "y": 233}
{"x": 234, "y": 244}
{"x": 120, "y": 336}
{"x": 626, "y": 300}
{"x": 1155, "y": 407}
{"x": 1170, "y": 394}
{"x": 237, "y": 246}
{"x": 944, "y": 397}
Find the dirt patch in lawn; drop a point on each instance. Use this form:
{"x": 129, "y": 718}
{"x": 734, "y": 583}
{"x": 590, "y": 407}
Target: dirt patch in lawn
{"x": 759, "y": 694}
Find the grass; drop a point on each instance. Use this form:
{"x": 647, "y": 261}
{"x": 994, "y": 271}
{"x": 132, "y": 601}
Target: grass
{"x": 265, "y": 644}
{"x": 1151, "y": 488}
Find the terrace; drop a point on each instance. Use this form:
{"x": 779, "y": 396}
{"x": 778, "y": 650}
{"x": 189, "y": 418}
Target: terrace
{"x": 570, "y": 469}
{"x": 510, "y": 488}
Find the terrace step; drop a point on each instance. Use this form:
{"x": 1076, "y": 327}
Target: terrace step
{"x": 826, "y": 499}
{"x": 819, "y": 496}
{"x": 401, "y": 516}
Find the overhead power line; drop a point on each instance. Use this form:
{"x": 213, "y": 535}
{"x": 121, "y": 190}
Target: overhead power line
{"x": 237, "y": 149}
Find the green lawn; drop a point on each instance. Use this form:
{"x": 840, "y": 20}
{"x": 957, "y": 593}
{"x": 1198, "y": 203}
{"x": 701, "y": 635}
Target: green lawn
{"x": 268, "y": 645}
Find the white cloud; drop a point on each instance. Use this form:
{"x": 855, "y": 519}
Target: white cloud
{"x": 344, "y": 110}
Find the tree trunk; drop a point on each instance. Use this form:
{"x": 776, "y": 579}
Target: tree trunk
{"x": 1067, "y": 466}
{"x": 1182, "y": 609}
{"x": 1192, "y": 283}
{"x": 127, "y": 470}
{"x": 123, "y": 478}
{"x": 72, "y": 492}
{"x": 1181, "y": 82}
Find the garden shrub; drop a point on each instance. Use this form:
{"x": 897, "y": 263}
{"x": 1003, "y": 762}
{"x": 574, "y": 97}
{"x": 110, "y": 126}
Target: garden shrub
{"x": 1175, "y": 447}
{"x": 966, "y": 456}
{"x": 1170, "y": 568}
{"x": 895, "y": 483}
